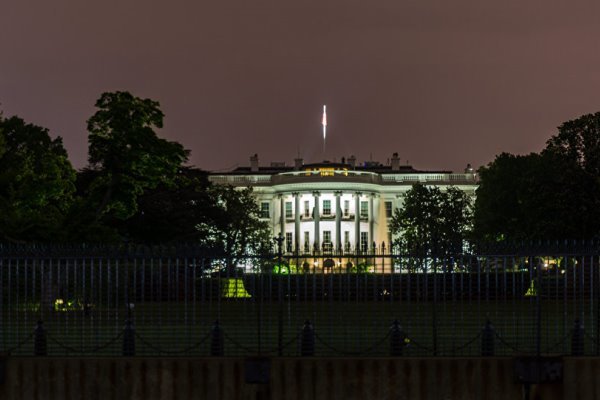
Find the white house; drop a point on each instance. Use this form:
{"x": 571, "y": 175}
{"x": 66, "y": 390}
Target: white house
{"x": 335, "y": 206}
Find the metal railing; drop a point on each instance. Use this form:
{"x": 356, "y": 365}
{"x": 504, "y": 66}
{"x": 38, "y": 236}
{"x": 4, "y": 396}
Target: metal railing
{"x": 106, "y": 301}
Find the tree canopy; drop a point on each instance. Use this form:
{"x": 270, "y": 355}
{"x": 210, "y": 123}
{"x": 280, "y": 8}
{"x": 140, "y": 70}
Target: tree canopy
{"x": 554, "y": 194}
{"x": 171, "y": 212}
{"x": 36, "y": 182}
{"x": 233, "y": 225}
{"x": 135, "y": 187}
{"x": 126, "y": 152}
{"x": 538, "y": 196}
{"x": 432, "y": 222}
{"x": 579, "y": 141}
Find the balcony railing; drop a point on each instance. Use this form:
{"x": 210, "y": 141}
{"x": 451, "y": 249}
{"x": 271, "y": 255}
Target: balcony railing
{"x": 344, "y": 175}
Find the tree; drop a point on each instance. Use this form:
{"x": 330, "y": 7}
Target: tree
{"x": 579, "y": 141}
{"x": 127, "y": 154}
{"x": 504, "y": 187}
{"x": 36, "y": 183}
{"x": 432, "y": 222}
{"x": 233, "y": 226}
{"x": 170, "y": 213}
{"x": 578, "y": 145}
{"x": 535, "y": 197}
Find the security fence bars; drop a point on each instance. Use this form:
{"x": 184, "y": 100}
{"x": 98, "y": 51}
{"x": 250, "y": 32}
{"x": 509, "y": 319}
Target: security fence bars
{"x": 182, "y": 301}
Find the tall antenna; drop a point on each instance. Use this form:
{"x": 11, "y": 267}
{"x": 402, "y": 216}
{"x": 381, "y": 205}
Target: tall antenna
{"x": 324, "y": 123}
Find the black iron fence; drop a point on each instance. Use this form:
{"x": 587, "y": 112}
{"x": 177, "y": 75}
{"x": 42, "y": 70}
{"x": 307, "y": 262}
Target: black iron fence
{"x": 106, "y": 301}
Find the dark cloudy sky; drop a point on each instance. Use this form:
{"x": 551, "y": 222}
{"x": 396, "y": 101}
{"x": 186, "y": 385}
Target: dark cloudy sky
{"x": 442, "y": 83}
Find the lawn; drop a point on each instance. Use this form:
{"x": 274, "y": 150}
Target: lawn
{"x": 252, "y": 326}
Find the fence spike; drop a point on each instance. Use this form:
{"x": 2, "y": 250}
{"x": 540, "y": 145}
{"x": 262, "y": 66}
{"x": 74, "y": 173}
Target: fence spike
{"x": 487, "y": 339}
{"x": 577, "y": 339}
{"x": 217, "y": 340}
{"x": 40, "y": 342}
{"x": 129, "y": 339}
{"x": 307, "y": 342}
{"x": 398, "y": 339}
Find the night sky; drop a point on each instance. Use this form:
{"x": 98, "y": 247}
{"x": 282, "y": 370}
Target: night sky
{"x": 443, "y": 83}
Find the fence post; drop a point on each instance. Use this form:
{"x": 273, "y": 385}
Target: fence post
{"x": 279, "y": 240}
{"x": 398, "y": 339}
{"x": 307, "y": 341}
{"x": 40, "y": 343}
{"x": 577, "y": 339}
{"x": 129, "y": 339}
{"x": 217, "y": 342}
{"x": 487, "y": 339}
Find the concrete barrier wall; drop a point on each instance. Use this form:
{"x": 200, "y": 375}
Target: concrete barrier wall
{"x": 288, "y": 378}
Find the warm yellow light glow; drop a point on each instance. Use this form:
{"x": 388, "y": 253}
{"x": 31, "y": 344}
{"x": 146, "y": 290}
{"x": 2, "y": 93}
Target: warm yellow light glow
{"x": 327, "y": 171}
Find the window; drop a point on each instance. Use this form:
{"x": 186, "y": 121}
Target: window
{"x": 388, "y": 209}
{"x": 306, "y": 242}
{"x": 347, "y": 240}
{"x": 364, "y": 241}
{"x": 288, "y": 241}
{"x": 326, "y": 207}
{"x": 364, "y": 209}
{"x": 327, "y": 245}
{"x": 306, "y": 209}
{"x": 264, "y": 209}
{"x": 288, "y": 209}
{"x": 346, "y": 208}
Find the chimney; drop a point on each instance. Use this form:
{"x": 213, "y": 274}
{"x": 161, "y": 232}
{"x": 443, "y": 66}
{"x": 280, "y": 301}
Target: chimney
{"x": 469, "y": 169}
{"x": 254, "y": 163}
{"x": 395, "y": 162}
{"x": 352, "y": 161}
{"x": 297, "y": 164}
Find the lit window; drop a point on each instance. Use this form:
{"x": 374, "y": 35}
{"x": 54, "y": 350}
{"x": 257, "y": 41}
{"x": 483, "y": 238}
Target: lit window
{"x": 306, "y": 242}
{"x": 327, "y": 245}
{"x": 288, "y": 241}
{"x": 364, "y": 209}
{"x": 326, "y": 207}
{"x": 264, "y": 209}
{"x": 364, "y": 241}
{"x": 388, "y": 209}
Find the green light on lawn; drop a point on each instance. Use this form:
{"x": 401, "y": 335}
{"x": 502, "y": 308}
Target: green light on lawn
{"x": 69, "y": 305}
{"x": 532, "y": 290}
{"x": 233, "y": 288}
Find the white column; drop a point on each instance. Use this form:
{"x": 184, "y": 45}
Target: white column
{"x": 371, "y": 220}
{"x": 357, "y": 220}
{"x": 297, "y": 221}
{"x": 317, "y": 218}
{"x": 338, "y": 221}
{"x": 282, "y": 215}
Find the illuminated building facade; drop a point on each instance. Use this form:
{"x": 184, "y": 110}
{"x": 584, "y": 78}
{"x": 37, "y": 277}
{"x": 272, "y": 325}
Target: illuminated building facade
{"x": 335, "y": 207}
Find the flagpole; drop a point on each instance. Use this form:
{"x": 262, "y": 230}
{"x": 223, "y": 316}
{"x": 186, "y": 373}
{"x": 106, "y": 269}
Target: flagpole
{"x": 324, "y": 123}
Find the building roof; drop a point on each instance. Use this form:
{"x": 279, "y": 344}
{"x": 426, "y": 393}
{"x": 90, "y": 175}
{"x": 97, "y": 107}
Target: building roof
{"x": 367, "y": 166}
